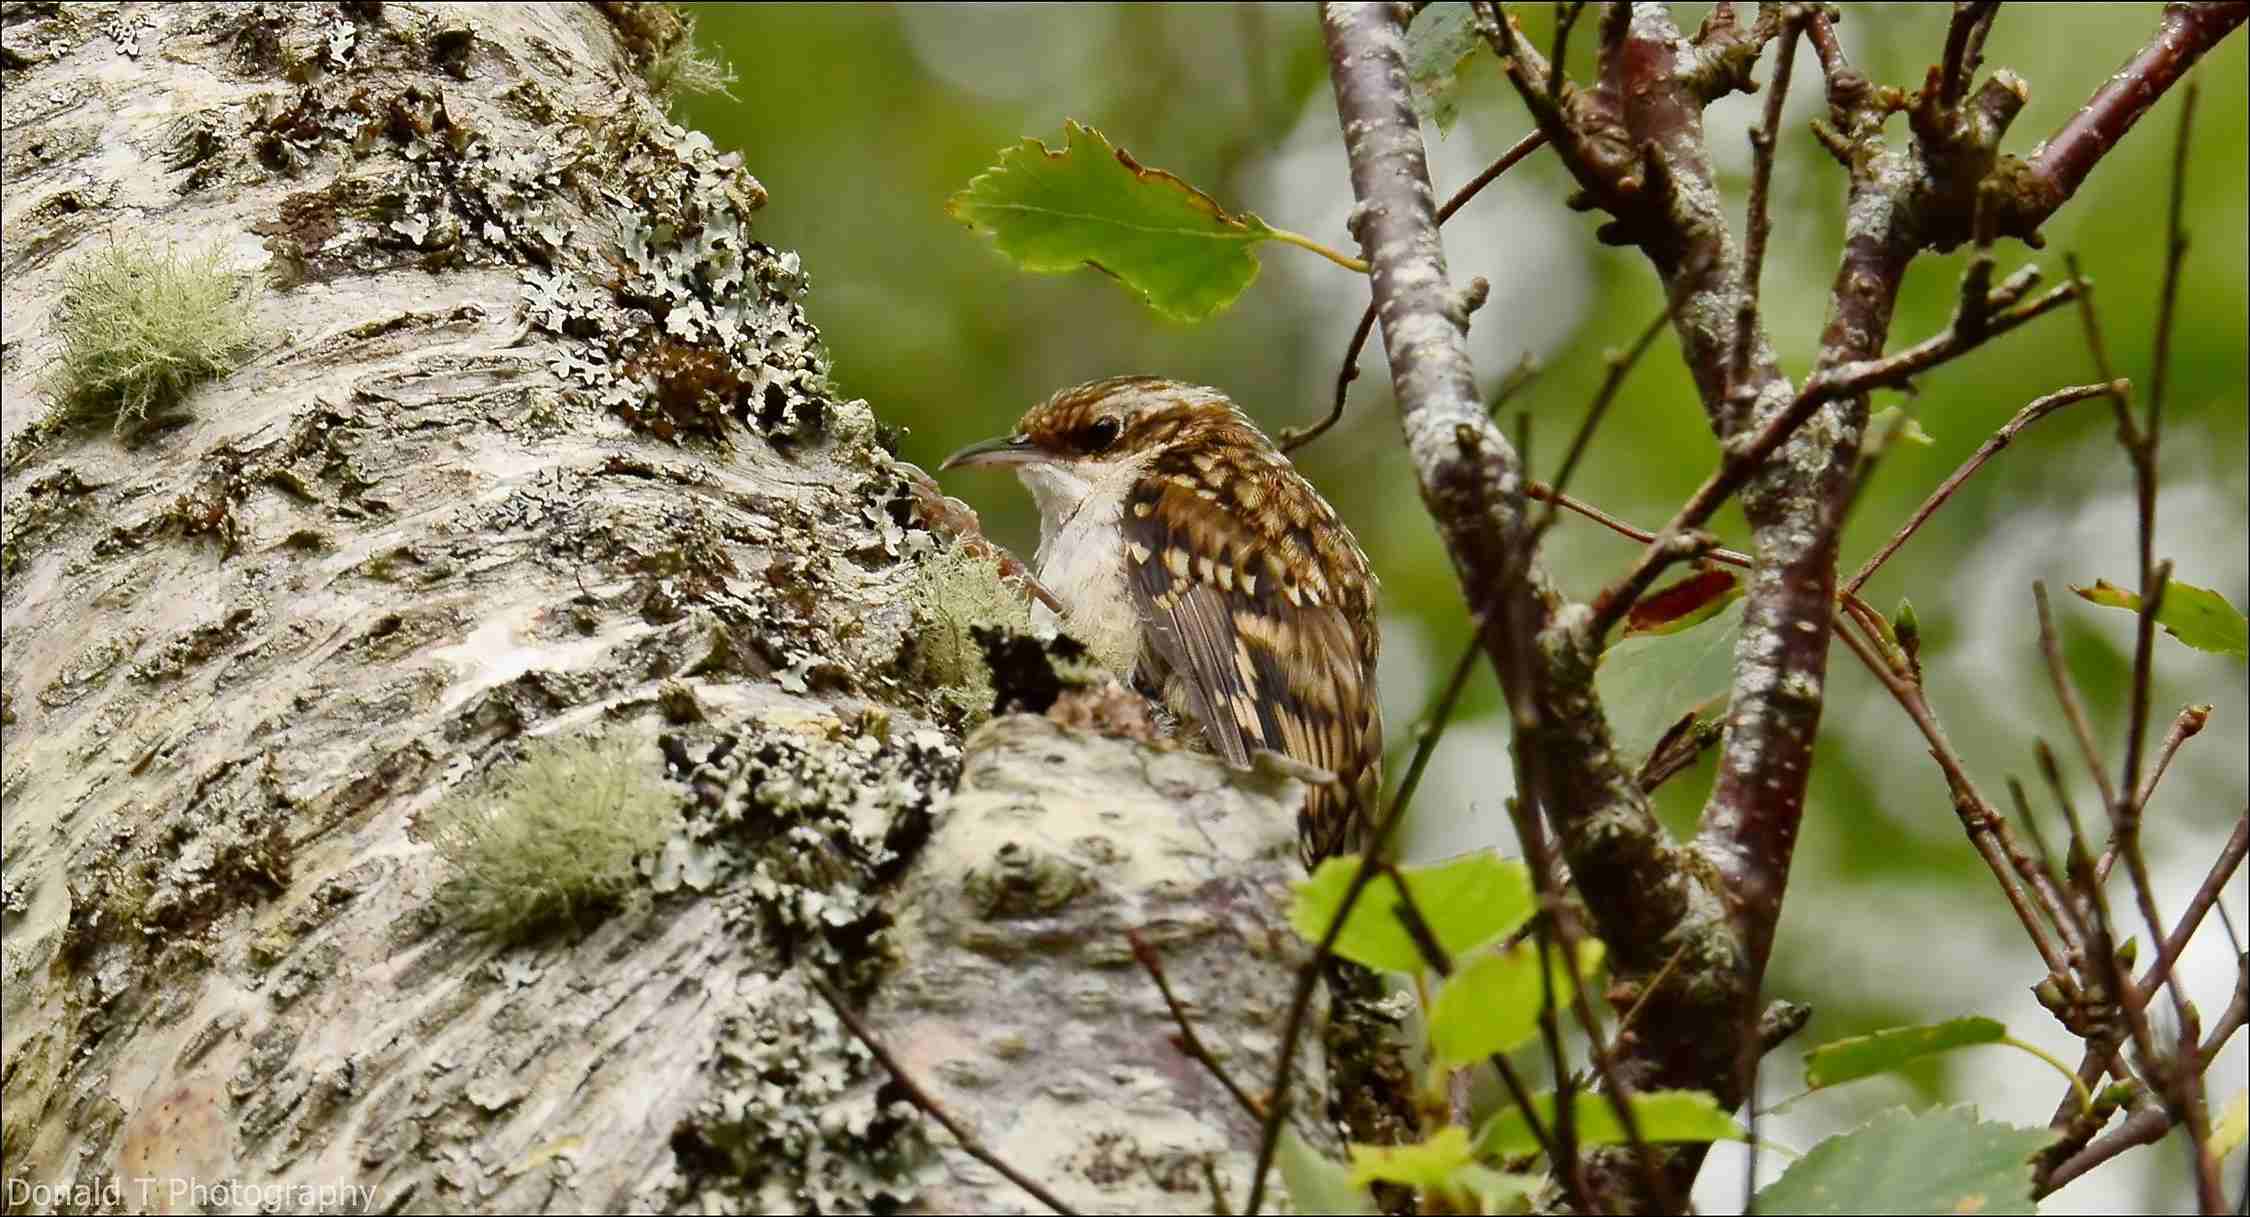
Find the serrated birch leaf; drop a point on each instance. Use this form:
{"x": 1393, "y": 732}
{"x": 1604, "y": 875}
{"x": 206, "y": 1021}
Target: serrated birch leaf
{"x": 2197, "y": 616}
{"x": 1090, "y": 204}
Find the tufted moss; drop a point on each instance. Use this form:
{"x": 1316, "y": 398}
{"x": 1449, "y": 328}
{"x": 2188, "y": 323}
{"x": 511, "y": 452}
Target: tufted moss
{"x": 553, "y": 840}
{"x": 952, "y": 592}
{"x": 140, "y": 326}
{"x": 681, "y": 67}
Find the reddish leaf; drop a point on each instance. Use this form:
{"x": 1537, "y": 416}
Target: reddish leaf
{"x": 1691, "y": 601}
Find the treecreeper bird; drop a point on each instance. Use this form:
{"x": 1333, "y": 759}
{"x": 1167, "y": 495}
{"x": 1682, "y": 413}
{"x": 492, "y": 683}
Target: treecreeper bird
{"x": 1191, "y": 558}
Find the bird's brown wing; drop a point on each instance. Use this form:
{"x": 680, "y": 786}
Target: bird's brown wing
{"x": 1242, "y": 637}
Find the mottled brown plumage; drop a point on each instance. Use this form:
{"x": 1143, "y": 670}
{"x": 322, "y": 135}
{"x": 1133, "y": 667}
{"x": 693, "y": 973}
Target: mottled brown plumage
{"x": 1190, "y": 554}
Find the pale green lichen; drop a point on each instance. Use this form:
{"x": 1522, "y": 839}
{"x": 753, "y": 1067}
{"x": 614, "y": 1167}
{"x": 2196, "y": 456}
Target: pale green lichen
{"x": 952, "y": 592}
{"x": 553, "y": 840}
{"x": 140, "y": 326}
{"x": 682, "y": 67}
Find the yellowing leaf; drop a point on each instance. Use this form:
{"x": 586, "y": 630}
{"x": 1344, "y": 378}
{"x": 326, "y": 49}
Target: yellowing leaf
{"x": 1492, "y": 1003}
{"x": 2197, "y": 616}
{"x": 1089, "y": 204}
{"x": 1910, "y": 430}
{"x": 1468, "y": 901}
{"x": 2228, "y": 1130}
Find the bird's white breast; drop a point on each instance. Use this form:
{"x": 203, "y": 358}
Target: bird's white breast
{"x": 1082, "y": 554}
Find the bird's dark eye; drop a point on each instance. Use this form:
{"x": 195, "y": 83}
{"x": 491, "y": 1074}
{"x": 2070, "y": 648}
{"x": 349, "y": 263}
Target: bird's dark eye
{"x": 1097, "y": 435}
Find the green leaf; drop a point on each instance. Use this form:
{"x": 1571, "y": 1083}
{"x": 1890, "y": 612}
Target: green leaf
{"x": 1664, "y": 1116}
{"x": 1492, "y": 1003}
{"x": 1442, "y": 36}
{"x": 1684, "y": 604}
{"x": 1861, "y": 1056}
{"x": 1093, "y": 205}
{"x": 1942, "y": 1161}
{"x": 2197, "y": 616}
{"x": 1318, "y": 1184}
{"x": 1468, "y": 901}
{"x": 1443, "y": 1164}
{"x": 1428, "y": 1165}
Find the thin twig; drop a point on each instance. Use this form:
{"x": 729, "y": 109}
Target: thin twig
{"x": 2110, "y": 970}
{"x": 2185, "y": 726}
{"x": 1417, "y": 928}
{"x": 1895, "y": 370}
{"x": 2030, "y": 414}
{"x": 1620, "y": 366}
{"x": 1566, "y": 16}
{"x": 1626, "y": 528}
{"x": 2046, "y": 876}
{"x": 1984, "y": 825}
{"x": 1962, "y": 39}
{"x": 1845, "y": 380}
{"x": 928, "y": 1105}
{"x": 1293, "y": 438}
{"x": 2066, "y": 693}
{"x": 1759, "y": 227}
{"x": 2089, "y": 321}
{"x": 2175, "y": 254}
{"x": 1190, "y": 1042}
{"x": 2148, "y": 1125}
{"x": 2206, "y": 895}
{"x": 1308, "y": 976}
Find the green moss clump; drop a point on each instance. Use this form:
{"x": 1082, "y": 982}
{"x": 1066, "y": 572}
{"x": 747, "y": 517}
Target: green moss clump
{"x": 954, "y": 590}
{"x": 553, "y": 840}
{"x": 142, "y": 326}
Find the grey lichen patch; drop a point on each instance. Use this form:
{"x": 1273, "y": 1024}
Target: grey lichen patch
{"x": 691, "y": 328}
{"x": 158, "y": 879}
{"x": 792, "y": 1123}
{"x": 953, "y": 593}
{"x": 552, "y": 840}
{"x": 797, "y": 818}
{"x": 34, "y": 517}
{"x": 140, "y": 326}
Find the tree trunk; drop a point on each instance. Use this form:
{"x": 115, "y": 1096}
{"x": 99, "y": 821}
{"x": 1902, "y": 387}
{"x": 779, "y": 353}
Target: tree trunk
{"x": 538, "y": 443}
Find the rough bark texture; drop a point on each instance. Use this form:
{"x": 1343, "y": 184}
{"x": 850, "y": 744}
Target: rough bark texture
{"x": 539, "y": 444}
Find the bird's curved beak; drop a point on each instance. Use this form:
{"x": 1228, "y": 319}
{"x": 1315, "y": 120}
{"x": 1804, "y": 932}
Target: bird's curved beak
{"x": 1006, "y": 450}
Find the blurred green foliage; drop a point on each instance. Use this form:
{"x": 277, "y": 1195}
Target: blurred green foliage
{"x": 862, "y": 120}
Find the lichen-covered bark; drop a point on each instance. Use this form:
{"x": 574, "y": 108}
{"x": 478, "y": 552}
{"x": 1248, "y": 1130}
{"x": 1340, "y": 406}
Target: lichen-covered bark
{"x": 537, "y": 443}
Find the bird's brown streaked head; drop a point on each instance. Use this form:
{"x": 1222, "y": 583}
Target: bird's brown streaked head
{"x": 1103, "y": 421}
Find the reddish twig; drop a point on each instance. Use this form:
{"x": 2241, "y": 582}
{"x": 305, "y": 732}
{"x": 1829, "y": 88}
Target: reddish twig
{"x": 1984, "y": 825}
{"x": 1189, "y": 1041}
{"x": 2064, "y": 161}
{"x": 927, "y": 1104}
{"x": 2030, "y": 414}
{"x": 2066, "y": 693}
{"x": 1758, "y": 227}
